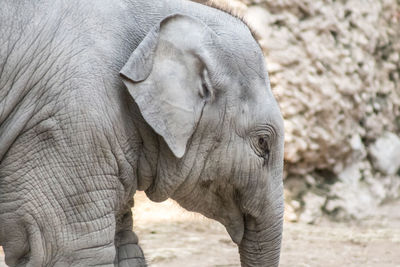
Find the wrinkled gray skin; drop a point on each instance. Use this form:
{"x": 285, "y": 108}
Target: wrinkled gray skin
{"x": 100, "y": 99}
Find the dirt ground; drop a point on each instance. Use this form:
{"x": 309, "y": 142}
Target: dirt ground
{"x": 171, "y": 236}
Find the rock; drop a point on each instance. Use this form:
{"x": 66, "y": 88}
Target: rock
{"x": 295, "y": 187}
{"x": 385, "y": 153}
{"x": 357, "y": 193}
{"x": 357, "y": 147}
{"x": 290, "y": 214}
{"x": 351, "y": 174}
{"x": 313, "y": 208}
{"x": 350, "y": 201}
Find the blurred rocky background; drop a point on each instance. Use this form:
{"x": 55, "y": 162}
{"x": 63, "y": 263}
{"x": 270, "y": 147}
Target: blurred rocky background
{"x": 334, "y": 67}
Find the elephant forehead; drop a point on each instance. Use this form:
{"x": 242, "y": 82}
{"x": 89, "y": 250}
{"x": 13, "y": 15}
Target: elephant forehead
{"x": 261, "y": 109}
{"x": 247, "y": 64}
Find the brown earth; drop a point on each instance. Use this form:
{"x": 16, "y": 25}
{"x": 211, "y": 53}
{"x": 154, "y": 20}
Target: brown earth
{"x": 171, "y": 236}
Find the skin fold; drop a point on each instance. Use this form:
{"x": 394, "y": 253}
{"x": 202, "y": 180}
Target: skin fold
{"x": 99, "y": 99}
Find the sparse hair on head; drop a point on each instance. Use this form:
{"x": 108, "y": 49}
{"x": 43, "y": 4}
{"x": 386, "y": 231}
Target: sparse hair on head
{"x": 231, "y": 11}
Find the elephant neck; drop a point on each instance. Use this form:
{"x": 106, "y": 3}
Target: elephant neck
{"x": 154, "y": 175}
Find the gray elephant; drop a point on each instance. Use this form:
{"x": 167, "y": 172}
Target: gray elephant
{"x": 99, "y": 99}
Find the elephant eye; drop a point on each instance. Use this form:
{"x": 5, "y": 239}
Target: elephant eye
{"x": 262, "y": 147}
{"x": 261, "y": 141}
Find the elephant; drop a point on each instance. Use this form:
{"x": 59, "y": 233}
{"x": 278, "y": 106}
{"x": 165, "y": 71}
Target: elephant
{"x": 100, "y": 99}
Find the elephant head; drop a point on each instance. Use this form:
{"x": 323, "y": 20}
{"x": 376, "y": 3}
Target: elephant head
{"x": 216, "y": 139}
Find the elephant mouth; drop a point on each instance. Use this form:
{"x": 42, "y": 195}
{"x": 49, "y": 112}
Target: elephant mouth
{"x": 235, "y": 229}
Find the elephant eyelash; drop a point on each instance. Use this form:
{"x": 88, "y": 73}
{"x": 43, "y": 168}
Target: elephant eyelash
{"x": 263, "y": 144}
{"x": 263, "y": 147}
{"x": 260, "y": 145}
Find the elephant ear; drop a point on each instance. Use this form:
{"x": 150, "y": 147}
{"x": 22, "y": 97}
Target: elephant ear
{"x": 166, "y": 76}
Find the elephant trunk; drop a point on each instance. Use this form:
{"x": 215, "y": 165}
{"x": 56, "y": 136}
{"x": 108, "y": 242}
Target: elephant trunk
{"x": 261, "y": 243}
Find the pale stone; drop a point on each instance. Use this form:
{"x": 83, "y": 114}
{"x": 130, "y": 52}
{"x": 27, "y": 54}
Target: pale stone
{"x": 386, "y": 153}
{"x": 313, "y": 206}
